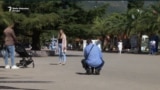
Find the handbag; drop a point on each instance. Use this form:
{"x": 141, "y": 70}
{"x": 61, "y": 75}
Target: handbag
{"x": 3, "y": 51}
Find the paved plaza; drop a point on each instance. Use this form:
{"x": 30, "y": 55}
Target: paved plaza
{"x": 120, "y": 72}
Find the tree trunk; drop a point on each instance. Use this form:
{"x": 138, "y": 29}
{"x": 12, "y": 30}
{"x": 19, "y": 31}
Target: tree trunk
{"x": 103, "y": 43}
{"x": 139, "y": 42}
{"x": 36, "y": 40}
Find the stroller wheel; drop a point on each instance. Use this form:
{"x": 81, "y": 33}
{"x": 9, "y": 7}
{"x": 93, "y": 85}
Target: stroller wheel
{"x": 25, "y": 66}
{"x": 23, "y": 63}
{"x": 18, "y": 64}
{"x": 33, "y": 65}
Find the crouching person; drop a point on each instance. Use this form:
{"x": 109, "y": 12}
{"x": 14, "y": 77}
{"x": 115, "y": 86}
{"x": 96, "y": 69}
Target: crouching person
{"x": 93, "y": 61}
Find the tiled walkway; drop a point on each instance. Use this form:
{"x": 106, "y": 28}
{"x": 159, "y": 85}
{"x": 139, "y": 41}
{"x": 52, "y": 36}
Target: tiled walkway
{"x": 120, "y": 72}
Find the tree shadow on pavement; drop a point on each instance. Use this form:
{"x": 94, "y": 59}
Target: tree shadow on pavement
{"x": 1, "y": 66}
{"x": 15, "y": 78}
{"x": 5, "y": 78}
{"x": 53, "y": 64}
{"x": 15, "y": 88}
{"x": 25, "y": 81}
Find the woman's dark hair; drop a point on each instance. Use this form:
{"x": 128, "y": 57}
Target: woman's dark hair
{"x": 89, "y": 41}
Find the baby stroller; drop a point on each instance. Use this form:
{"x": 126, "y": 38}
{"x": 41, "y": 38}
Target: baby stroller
{"x": 26, "y": 57}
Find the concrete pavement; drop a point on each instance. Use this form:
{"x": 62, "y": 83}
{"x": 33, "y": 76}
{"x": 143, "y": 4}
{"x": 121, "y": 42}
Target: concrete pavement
{"x": 120, "y": 72}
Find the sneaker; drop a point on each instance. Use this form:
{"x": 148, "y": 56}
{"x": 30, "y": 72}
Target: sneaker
{"x": 92, "y": 70}
{"x": 14, "y": 67}
{"x": 7, "y": 67}
{"x": 97, "y": 72}
{"x": 88, "y": 71}
{"x": 59, "y": 62}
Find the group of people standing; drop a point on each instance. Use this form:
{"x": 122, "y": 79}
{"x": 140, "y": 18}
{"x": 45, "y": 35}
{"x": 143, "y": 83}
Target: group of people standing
{"x": 132, "y": 43}
{"x": 92, "y": 63}
{"x": 9, "y": 47}
{"x": 93, "y": 59}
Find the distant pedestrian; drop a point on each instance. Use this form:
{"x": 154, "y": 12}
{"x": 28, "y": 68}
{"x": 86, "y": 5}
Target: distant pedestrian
{"x": 10, "y": 40}
{"x": 52, "y": 45}
{"x": 152, "y": 47}
{"x": 62, "y": 47}
{"x": 153, "y": 40}
{"x": 120, "y": 46}
{"x": 93, "y": 60}
{"x": 156, "y": 38}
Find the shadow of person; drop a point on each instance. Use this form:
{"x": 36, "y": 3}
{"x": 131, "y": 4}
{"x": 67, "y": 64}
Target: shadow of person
{"x": 54, "y": 64}
{"x": 80, "y": 73}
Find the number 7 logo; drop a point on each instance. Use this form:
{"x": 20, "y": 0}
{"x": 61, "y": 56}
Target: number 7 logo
{"x": 10, "y": 8}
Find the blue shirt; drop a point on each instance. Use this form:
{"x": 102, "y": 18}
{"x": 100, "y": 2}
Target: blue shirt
{"x": 95, "y": 56}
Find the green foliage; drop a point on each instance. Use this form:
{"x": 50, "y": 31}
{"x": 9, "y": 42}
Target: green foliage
{"x": 136, "y": 20}
{"x": 44, "y": 15}
{"x": 99, "y": 26}
{"x": 97, "y": 12}
{"x": 156, "y": 7}
{"x": 135, "y": 4}
{"x": 113, "y": 24}
{"x": 117, "y": 23}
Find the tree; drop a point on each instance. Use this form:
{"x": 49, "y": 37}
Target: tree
{"x": 99, "y": 28}
{"x": 134, "y": 8}
{"x": 76, "y": 21}
{"x": 156, "y": 14}
{"x": 34, "y": 22}
{"x": 135, "y": 4}
{"x": 113, "y": 24}
{"x": 38, "y": 23}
